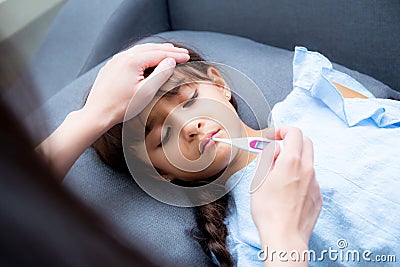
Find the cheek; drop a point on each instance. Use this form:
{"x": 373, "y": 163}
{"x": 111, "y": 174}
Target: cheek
{"x": 157, "y": 158}
{"x": 161, "y": 161}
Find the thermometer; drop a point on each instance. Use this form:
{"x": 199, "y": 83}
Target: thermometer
{"x": 251, "y": 144}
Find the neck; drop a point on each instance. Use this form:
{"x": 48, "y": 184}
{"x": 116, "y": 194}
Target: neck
{"x": 242, "y": 158}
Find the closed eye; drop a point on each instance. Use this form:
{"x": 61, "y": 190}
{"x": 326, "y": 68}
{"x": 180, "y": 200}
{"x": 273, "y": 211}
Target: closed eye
{"x": 165, "y": 138}
{"x": 191, "y": 100}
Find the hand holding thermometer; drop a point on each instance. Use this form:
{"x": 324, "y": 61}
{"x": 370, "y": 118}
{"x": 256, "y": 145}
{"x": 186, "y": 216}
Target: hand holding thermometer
{"x": 251, "y": 144}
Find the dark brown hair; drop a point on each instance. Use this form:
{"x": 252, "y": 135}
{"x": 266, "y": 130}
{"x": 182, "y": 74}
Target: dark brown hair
{"x": 212, "y": 231}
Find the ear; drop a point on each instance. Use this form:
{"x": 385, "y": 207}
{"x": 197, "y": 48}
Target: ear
{"x": 160, "y": 175}
{"x": 167, "y": 177}
{"x": 163, "y": 176}
{"x": 217, "y": 79}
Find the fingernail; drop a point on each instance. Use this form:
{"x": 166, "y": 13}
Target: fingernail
{"x": 171, "y": 62}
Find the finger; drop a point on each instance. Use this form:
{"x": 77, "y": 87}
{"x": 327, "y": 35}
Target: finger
{"x": 161, "y": 48}
{"x": 293, "y": 141}
{"x": 149, "y": 87}
{"x": 270, "y": 133}
{"x": 150, "y": 46}
{"x": 314, "y": 206}
{"x": 316, "y": 194}
{"x": 277, "y": 150}
{"x": 265, "y": 164}
{"x": 148, "y": 59}
{"x": 307, "y": 153}
{"x": 159, "y": 76}
{"x": 153, "y": 46}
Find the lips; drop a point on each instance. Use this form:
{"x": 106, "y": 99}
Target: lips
{"x": 206, "y": 139}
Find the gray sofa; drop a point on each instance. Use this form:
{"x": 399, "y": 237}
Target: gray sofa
{"x": 255, "y": 37}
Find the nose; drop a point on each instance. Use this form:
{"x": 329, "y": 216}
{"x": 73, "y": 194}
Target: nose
{"x": 191, "y": 130}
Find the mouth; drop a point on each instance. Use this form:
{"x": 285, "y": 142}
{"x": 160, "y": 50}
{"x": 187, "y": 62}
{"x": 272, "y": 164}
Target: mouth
{"x": 206, "y": 140}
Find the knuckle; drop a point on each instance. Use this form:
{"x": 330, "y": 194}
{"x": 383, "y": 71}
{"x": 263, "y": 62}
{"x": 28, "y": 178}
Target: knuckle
{"x": 292, "y": 129}
{"x": 308, "y": 141}
{"x": 297, "y": 131}
{"x": 296, "y": 180}
{"x": 102, "y": 69}
{"x": 117, "y": 58}
{"x": 126, "y": 59}
{"x": 293, "y": 160}
{"x": 309, "y": 171}
{"x": 164, "y": 54}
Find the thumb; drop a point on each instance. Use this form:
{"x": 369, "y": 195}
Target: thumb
{"x": 160, "y": 75}
{"x": 265, "y": 163}
{"x": 149, "y": 87}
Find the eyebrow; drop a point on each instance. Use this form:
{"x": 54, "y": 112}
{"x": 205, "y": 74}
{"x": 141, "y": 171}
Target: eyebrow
{"x": 149, "y": 127}
{"x": 172, "y": 92}
{"x": 175, "y": 90}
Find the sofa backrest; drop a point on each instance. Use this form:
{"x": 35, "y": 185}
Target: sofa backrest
{"x": 347, "y": 32}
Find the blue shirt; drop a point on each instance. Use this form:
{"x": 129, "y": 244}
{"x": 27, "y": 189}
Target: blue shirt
{"x": 356, "y": 160}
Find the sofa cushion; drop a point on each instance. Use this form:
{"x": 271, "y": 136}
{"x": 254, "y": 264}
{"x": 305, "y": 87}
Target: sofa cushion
{"x": 160, "y": 229}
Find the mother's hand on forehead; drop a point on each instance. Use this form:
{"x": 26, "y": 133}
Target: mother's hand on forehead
{"x": 122, "y": 80}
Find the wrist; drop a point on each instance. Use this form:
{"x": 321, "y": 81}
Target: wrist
{"x": 283, "y": 241}
{"x": 279, "y": 231}
{"x": 99, "y": 122}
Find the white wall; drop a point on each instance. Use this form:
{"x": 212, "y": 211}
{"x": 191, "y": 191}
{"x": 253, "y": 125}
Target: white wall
{"x": 23, "y": 25}
{"x": 18, "y": 14}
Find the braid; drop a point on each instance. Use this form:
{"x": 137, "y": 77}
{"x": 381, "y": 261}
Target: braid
{"x": 210, "y": 220}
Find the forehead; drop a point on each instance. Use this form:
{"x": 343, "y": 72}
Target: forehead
{"x": 163, "y": 101}
{"x": 162, "y": 107}
{"x": 166, "y": 100}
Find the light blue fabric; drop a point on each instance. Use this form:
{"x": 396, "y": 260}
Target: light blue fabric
{"x": 243, "y": 241}
{"x": 314, "y": 73}
{"x": 357, "y": 150}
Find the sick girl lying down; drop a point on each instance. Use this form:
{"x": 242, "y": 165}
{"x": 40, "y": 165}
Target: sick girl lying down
{"x": 356, "y": 143}
{"x": 107, "y": 105}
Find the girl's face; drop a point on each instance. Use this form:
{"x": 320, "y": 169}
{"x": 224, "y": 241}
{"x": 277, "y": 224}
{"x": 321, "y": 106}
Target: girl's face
{"x": 178, "y": 127}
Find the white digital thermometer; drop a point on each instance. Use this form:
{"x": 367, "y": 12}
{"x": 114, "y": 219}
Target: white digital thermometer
{"x": 251, "y": 144}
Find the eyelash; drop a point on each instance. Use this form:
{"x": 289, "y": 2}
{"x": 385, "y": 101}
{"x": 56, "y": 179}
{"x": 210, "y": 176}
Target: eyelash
{"x": 186, "y": 104}
{"x": 165, "y": 138}
{"x": 191, "y": 100}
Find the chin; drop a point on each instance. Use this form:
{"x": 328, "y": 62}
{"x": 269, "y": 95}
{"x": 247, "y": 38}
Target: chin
{"x": 225, "y": 154}
{"x": 221, "y": 162}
